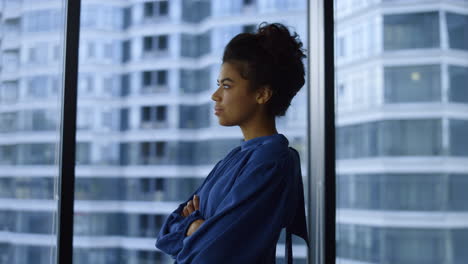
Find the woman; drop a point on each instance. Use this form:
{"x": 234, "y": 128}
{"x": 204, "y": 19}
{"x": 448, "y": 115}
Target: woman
{"x": 237, "y": 214}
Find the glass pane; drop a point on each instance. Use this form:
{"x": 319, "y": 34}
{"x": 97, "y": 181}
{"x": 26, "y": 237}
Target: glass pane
{"x": 147, "y": 136}
{"x": 31, "y": 70}
{"x": 401, "y": 131}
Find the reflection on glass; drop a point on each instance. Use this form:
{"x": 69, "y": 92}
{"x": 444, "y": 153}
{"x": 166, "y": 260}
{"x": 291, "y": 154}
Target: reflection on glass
{"x": 146, "y": 132}
{"x": 401, "y": 131}
{"x": 30, "y": 88}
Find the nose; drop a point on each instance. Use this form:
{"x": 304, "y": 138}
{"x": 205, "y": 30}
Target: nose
{"x": 215, "y": 95}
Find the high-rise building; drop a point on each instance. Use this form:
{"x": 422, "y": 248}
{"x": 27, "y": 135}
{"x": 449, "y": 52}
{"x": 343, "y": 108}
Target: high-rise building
{"x": 146, "y": 132}
{"x": 402, "y": 131}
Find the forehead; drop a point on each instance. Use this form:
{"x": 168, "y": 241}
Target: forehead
{"x": 230, "y": 70}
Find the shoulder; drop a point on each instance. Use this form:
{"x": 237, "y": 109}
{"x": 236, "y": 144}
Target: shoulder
{"x": 272, "y": 153}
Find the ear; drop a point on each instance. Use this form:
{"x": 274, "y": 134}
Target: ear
{"x": 264, "y": 93}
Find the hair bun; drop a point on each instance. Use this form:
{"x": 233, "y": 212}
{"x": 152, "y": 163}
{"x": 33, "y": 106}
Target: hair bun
{"x": 277, "y": 41}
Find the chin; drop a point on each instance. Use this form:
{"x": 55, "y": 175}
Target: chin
{"x": 226, "y": 123}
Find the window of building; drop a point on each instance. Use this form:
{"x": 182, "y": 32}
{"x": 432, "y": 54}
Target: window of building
{"x": 156, "y": 8}
{"x": 341, "y": 47}
{"x": 249, "y": 28}
{"x": 85, "y": 84}
{"x": 162, "y": 77}
{"x": 457, "y": 195}
{"x": 194, "y": 81}
{"x": 148, "y": 9}
{"x": 163, "y": 7}
{"x": 9, "y": 92}
{"x": 458, "y": 137}
{"x": 8, "y": 121}
{"x": 155, "y": 43}
{"x": 457, "y": 27}
{"x": 195, "y": 45}
{"x": 194, "y": 116}
{"x": 411, "y": 31}
{"x": 390, "y": 138}
{"x": 10, "y": 60}
{"x": 154, "y": 81}
{"x": 458, "y": 79}
{"x": 152, "y": 152}
{"x": 38, "y": 86}
{"x": 154, "y": 116}
{"x": 91, "y": 48}
{"x": 126, "y": 51}
{"x": 415, "y": 83}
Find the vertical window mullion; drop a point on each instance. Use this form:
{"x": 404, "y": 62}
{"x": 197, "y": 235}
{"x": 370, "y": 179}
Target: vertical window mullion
{"x": 66, "y": 186}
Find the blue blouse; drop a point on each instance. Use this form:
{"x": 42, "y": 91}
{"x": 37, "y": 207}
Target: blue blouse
{"x": 246, "y": 200}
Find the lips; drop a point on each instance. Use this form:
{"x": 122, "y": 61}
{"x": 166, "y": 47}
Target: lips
{"x": 218, "y": 109}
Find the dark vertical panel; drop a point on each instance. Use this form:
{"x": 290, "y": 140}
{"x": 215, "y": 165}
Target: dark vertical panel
{"x": 329, "y": 105}
{"x": 66, "y": 186}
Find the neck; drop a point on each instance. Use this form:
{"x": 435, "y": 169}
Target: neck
{"x": 258, "y": 128}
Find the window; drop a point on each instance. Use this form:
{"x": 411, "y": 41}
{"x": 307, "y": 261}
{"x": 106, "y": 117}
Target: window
{"x": 9, "y": 92}
{"x": 419, "y": 83}
{"x": 358, "y": 43}
{"x": 458, "y": 137}
{"x": 109, "y": 51}
{"x": 390, "y": 138}
{"x": 411, "y": 31}
{"x": 457, "y": 27}
{"x": 10, "y": 61}
{"x": 85, "y": 84}
{"x": 196, "y": 11}
{"x": 149, "y": 9}
{"x": 341, "y": 47}
{"x": 195, "y": 45}
{"x": 125, "y": 83}
{"x": 126, "y": 51}
{"x": 194, "y": 81}
{"x": 194, "y": 116}
{"x": 38, "y": 86}
{"x": 154, "y": 117}
{"x": 154, "y": 81}
{"x": 163, "y": 7}
{"x": 155, "y": 43}
{"x": 127, "y": 17}
{"x": 156, "y": 8}
{"x": 91, "y": 49}
{"x": 393, "y": 191}
{"x": 249, "y": 28}
{"x": 162, "y": 77}
{"x": 8, "y": 122}
{"x": 152, "y": 153}
{"x": 458, "y": 78}
{"x": 147, "y": 43}
{"x": 162, "y": 42}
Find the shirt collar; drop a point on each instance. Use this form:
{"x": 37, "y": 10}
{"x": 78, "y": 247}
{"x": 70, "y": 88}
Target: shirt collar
{"x": 254, "y": 142}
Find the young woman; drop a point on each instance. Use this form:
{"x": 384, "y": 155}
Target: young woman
{"x": 237, "y": 214}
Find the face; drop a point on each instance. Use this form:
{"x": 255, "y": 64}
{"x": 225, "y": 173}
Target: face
{"x": 238, "y": 104}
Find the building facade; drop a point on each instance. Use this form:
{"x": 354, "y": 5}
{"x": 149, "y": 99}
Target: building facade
{"x": 402, "y": 131}
{"x": 146, "y": 132}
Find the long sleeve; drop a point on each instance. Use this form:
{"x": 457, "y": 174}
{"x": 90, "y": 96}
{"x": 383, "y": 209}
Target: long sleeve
{"x": 171, "y": 235}
{"x": 247, "y": 222}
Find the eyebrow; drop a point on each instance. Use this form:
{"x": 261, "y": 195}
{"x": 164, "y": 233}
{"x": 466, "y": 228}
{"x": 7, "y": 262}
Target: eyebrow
{"x": 226, "y": 79}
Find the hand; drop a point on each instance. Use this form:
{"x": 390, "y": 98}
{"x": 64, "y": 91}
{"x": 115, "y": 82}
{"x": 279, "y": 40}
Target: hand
{"x": 194, "y": 226}
{"x": 191, "y": 206}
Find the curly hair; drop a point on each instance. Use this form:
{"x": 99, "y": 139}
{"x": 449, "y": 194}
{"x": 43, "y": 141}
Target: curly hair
{"x": 270, "y": 56}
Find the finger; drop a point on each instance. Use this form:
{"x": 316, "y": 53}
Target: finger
{"x": 186, "y": 212}
{"x": 190, "y": 207}
{"x": 196, "y": 202}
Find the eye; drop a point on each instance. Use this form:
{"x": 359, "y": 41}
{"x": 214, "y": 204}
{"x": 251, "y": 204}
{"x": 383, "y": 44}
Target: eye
{"x": 224, "y": 85}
